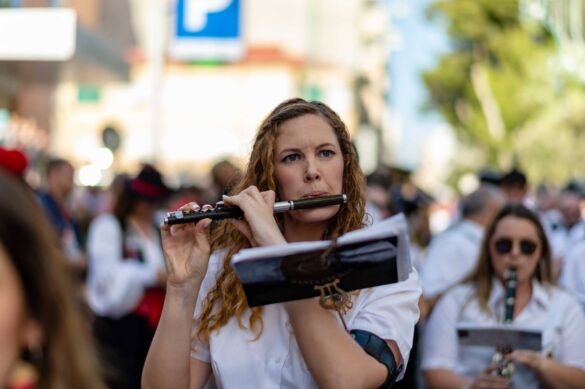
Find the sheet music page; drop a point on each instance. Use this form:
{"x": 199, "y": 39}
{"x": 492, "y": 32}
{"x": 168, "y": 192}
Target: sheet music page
{"x": 394, "y": 226}
{"x": 365, "y": 258}
{"x": 499, "y": 335}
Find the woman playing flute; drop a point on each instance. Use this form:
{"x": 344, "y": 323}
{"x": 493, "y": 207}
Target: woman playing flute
{"x": 302, "y": 150}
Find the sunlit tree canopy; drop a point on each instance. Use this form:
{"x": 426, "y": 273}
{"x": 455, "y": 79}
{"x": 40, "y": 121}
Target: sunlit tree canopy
{"x": 502, "y": 91}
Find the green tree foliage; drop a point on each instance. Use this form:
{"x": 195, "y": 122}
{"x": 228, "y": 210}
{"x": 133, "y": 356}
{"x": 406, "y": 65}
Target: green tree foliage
{"x": 501, "y": 91}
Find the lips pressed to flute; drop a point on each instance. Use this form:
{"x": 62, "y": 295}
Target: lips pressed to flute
{"x": 221, "y": 211}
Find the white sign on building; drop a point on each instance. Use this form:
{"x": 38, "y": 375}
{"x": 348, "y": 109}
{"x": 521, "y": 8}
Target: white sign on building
{"x": 37, "y": 34}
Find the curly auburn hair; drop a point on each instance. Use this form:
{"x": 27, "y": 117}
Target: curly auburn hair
{"x": 227, "y": 298}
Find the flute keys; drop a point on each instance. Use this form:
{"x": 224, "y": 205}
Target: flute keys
{"x": 206, "y": 208}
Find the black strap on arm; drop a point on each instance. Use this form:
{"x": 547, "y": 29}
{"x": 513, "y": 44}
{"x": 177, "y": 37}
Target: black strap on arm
{"x": 377, "y": 348}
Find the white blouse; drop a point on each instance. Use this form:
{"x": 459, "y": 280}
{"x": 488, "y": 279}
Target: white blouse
{"x": 573, "y": 272}
{"x": 115, "y": 284}
{"x": 551, "y": 310}
{"x": 274, "y": 360}
{"x": 451, "y": 256}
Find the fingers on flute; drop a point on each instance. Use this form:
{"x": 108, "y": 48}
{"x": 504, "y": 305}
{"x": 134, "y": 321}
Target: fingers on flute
{"x": 190, "y": 207}
{"x": 185, "y": 208}
{"x": 202, "y": 231}
{"x": 269, "y": 196}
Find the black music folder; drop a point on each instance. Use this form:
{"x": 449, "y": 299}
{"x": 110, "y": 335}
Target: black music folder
{"x": 500, "y": 336}
{"x": 365, "y": 258}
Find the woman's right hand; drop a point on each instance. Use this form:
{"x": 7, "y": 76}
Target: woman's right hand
{"x": 186, "y": 248}
{"x": 488, "y": 379}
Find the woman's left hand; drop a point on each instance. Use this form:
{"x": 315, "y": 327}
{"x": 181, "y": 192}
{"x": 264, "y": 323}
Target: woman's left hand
{"x": 259, "y": 224}
{"x": 530, "y": 359}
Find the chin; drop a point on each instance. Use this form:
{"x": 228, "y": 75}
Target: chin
{"x": 317, "y": 215}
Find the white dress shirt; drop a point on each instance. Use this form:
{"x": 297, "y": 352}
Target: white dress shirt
{"x": 563, "y": 239}
{"x": 573, "y": 272}
{"x": 115, "y": 284}
{"x": 274, "y": 360}
{"x": 451, "y": 256}
{"x": 551, "y": 310}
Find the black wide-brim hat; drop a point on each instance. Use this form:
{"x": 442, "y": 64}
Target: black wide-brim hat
{"x": 149, "y": 185}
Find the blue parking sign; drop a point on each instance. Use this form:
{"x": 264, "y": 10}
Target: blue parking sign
{"x": 207, "y": 29}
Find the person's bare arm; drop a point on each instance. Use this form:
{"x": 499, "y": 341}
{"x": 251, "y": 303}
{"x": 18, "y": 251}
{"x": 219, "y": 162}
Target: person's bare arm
{"x": 168, "y": 363}
{"x": 334, "y": 358}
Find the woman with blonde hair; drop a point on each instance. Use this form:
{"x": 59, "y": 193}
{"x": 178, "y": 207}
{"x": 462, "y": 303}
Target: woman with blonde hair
{"x": 515, "y": 241}
{"x": 39, "y": 320}
{"x": 302, "y": 150}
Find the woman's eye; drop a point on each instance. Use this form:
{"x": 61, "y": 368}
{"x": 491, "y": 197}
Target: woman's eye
{"x": 291, "y": 158}
{"x": 327, "y": 153}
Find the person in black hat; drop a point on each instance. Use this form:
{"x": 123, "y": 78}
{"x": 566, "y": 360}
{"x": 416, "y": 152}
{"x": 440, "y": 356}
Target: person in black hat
{"x": 515, "y": 185}
{"x": 126, "y": 276}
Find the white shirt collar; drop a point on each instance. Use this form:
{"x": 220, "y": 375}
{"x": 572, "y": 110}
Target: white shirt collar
{"x": 474, "y": 228}
{"x": 539, "y": 296}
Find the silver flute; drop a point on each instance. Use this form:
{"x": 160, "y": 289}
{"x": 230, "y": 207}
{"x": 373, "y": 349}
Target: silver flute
{"x": 221, "y": 211}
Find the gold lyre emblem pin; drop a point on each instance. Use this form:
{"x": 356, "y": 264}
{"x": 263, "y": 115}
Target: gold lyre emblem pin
{"x": 333, "y": 297}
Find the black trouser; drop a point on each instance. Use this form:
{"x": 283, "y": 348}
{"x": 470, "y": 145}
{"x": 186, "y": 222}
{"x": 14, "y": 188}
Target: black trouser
{"x": 123, "y": 345}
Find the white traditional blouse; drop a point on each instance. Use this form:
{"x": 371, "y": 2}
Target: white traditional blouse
{"x": 551, "y": 310}
{"x": 116, "y": 283}
{"x": 274, "y": 360}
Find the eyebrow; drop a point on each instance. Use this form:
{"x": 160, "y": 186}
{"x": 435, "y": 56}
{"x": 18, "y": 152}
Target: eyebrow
{"x": 326, "y": 144}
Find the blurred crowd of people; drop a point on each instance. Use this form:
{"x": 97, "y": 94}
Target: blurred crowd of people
{"x": 110, "y": 239}
{"x": 453, "y": 257}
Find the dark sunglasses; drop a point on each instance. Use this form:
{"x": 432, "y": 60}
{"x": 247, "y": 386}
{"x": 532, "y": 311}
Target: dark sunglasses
{"x": 505, "y": 245}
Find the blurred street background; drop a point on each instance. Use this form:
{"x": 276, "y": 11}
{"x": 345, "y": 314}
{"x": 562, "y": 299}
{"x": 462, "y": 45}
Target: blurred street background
{"x": 440, "y": 96}
{"x": 434, "y": 89}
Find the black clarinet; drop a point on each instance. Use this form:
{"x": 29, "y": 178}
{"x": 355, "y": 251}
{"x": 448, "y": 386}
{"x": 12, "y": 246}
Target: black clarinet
{"x": 221, "y": 211}
{"x": 506, "y": 367}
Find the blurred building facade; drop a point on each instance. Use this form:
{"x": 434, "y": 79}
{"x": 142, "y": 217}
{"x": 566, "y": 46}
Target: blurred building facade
{"x": 122, "y": 89}
{"x": 103, "y": 41}
{"x": 187, "y": 114}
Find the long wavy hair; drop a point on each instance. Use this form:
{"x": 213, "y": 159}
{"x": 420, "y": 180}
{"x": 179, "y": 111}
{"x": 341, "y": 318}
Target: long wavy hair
{"x": 65, "y": 356}
{"x": 227, "y": 299}
{"x": 484, "y": 272}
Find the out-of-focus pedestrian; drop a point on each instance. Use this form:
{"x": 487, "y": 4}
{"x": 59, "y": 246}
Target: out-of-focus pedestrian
{"x": 571, "y": 229}
{"x": 126, "y": 276}
{"x": 515, "y": 186}
{"x": 453, "y": 254}
{"x": 55, "y": 200}
{"x": 224, "y": 175}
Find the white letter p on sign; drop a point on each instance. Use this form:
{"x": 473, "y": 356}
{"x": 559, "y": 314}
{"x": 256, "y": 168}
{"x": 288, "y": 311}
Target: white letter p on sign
{"x": 196, "y": 12}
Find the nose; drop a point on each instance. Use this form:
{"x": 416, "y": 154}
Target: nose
{"x": 312, "y": 171}
{"x": 516, "y": 251}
